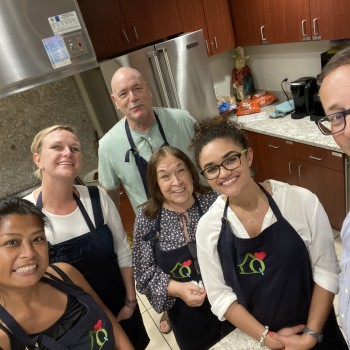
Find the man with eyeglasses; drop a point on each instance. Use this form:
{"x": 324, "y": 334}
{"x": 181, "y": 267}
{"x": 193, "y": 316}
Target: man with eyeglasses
{"x": 125, "y": 149}
{"x": 335, "y": 97}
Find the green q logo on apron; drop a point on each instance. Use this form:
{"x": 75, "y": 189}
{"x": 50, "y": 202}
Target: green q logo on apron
{"x": 252, "y": 263}
{"x": 99, "y": 335}
{"x": 182, "y": 270}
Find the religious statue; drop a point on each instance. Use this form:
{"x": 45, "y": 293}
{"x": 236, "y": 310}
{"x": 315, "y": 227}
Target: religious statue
{"x": 242, "y": 79}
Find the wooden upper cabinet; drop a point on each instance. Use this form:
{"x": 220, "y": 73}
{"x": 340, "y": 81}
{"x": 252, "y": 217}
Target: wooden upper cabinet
{"x": 137, "y": 15}
{"x": 151, "y": 20}
{"x": 288, "y": 21}
{"x": 284, "y": 21}
{"x": 106, "y": 27}
{"x": 331, "y": 19}
{"x": 116, "y": 26}
{"x": 166, "y": 19}
{"x": 219, "y": 24}
{"x": 193, "y": 18}
{"x": 213, "y": 17}
{"x": 249, "y": 22}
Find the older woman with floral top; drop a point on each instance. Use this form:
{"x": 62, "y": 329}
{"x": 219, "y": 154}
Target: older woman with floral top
{"x": 165, "y": 260}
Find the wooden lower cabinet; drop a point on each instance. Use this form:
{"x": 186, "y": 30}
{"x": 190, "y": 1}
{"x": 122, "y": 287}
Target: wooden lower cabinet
{"x": 317, "y": 169}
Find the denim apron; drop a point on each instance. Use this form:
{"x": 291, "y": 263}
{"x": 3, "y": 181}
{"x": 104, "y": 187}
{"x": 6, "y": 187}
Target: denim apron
{"x": 273, "y": 282}
{"x": 194, "y": 327}
{"x": 93, "y": 331}
{"x": 93, "y": 255}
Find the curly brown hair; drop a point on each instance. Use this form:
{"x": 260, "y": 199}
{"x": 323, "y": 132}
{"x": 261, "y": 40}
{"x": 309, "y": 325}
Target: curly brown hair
{"x": 156, "y": 198}
{"x": 220, "y": 127}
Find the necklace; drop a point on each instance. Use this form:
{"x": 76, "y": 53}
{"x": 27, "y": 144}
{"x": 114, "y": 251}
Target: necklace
{"x": 256, "y": 211}
{"x": 251, "y": 220}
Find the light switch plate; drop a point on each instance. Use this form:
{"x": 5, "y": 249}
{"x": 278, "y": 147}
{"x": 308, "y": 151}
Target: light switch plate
{"x": 75, "y": 44}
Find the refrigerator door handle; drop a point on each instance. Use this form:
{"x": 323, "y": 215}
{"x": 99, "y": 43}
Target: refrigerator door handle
{"x": 172, "y": 81}
{"x": 153, "y": 57}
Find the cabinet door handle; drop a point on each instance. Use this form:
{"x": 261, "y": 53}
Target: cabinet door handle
{"x": 135, "y": 32}
{"x": 315, "y": 158}
{"x": 206, "y": 44}
{"x": 125, "y": 36}
{"x": 314, "y": 27}
{"x": 262, "y": 33}
{"x": 303, "y": 33}
{"x": 273, "y": 146}
{"x": 299, "y": 170}
{"x": 215, "y": 43}
{"x": 290, "y": 168}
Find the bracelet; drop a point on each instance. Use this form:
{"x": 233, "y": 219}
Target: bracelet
{"x": 262, "y": 338}
{"x": 131, "y": 303}
{"x": 317, "y": 335}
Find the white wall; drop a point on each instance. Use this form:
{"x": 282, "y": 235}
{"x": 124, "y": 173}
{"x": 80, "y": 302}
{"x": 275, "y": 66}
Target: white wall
{"x": 270, "y": 64}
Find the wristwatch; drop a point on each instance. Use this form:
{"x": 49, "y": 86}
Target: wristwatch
{"x": 318, "y": 336}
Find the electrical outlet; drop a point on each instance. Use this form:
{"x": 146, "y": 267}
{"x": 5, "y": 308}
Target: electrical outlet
{"x": 75, "y": 44}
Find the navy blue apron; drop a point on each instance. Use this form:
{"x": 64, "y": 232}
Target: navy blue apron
{"x": 140, "y": 161}
{"x": 93, "y": 255}
{"x": 93, "y": 331}
{"x": 194, "y": 327}
{"x": 273, "y": 282}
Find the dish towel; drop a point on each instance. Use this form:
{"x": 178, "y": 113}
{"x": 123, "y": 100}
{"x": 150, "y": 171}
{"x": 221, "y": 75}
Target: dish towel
{"x": 282, "y": 109}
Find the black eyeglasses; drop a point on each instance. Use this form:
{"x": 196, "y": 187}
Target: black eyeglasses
{"x": 231, "y": 163}
{"x": 333, "y": 123}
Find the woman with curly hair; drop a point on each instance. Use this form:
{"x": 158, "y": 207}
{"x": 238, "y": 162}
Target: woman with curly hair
{"x": 266, "y": 250}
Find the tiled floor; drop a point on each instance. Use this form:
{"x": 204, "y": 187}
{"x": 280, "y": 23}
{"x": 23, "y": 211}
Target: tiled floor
{"x": 151, "y": 319}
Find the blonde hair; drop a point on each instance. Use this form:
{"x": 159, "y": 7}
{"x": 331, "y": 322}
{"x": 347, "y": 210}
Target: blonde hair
{"x": 38, "y": 142}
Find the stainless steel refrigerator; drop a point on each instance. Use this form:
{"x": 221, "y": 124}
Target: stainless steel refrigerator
{"x": 177, "y": 71}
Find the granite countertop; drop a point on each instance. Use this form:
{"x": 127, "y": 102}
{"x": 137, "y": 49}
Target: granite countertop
{"x": 298, "y": 130}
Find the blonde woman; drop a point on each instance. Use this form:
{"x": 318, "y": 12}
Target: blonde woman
{"x": 87, "y": 230}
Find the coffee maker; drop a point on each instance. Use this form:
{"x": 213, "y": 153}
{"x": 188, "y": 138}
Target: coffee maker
{"x": 303, "y": 91}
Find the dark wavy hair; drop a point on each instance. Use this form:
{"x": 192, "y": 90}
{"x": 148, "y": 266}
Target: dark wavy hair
{"x": 340, "y": 59}
{"x": 220, "y": 127}
{"x": 20, "y": 206}
{"x": 156, "y": 198}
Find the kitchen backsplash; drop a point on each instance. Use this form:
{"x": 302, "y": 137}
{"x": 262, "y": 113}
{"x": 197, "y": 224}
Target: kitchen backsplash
{"x": 24, "y": 114}
{"x": 270, "y": 64}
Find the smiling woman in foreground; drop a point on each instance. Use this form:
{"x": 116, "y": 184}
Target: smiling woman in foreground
{"x": 266, "y": 250}
{"x": 46, "y": 307}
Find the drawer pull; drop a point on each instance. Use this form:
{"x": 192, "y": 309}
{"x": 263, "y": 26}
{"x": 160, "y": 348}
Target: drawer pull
{"x": 303, "y": 33}
{"x": 125, "y": 36}
{"x": 263, "y": 38}
{"x": 290, "y": 167}
{"x": 273, "y": 146}
{"x": 315, "y": 158}
{"x": 299, "y": 170}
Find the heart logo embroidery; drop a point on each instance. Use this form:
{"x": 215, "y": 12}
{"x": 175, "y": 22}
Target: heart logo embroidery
{"x": 187, "y": 263}
{"x": 98, "y": 325}
{"x": 260, "y": 255}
